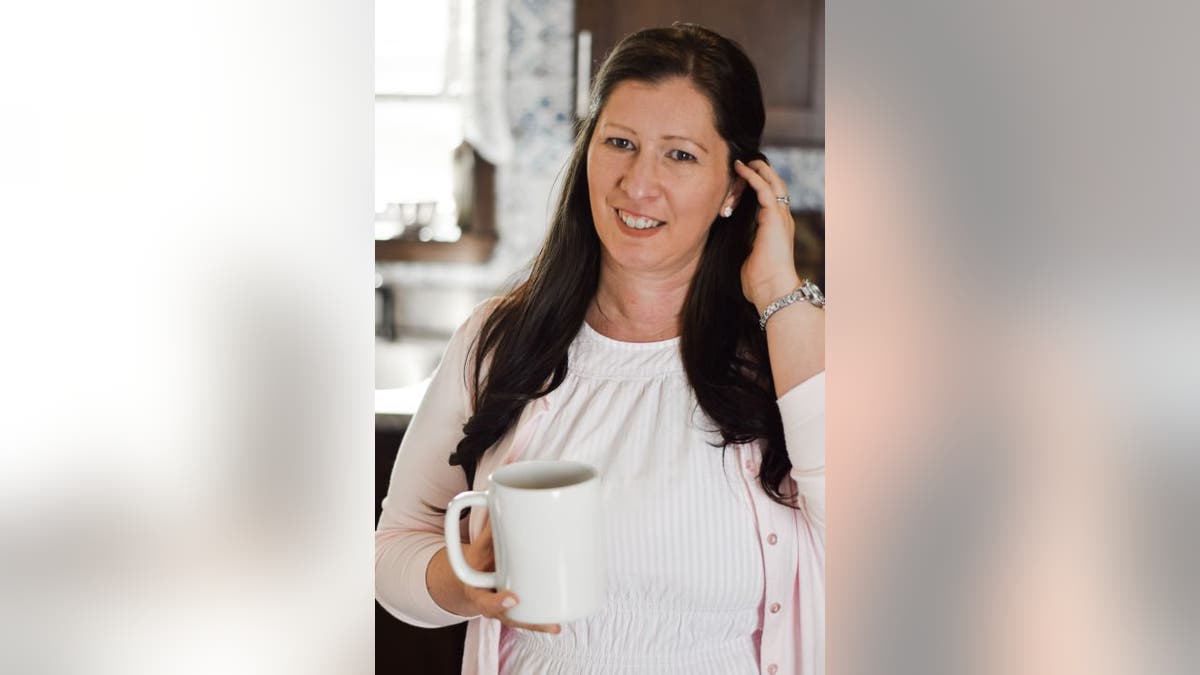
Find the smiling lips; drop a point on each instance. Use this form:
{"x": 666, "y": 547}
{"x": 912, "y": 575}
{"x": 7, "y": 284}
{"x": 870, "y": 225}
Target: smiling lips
{"x": 638, "y": 222}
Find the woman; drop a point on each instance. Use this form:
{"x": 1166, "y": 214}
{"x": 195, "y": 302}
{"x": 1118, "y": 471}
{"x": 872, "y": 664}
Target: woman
{"x": 635, "y": 345}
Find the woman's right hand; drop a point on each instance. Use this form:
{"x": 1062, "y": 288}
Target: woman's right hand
{"x": 493, "y": 604}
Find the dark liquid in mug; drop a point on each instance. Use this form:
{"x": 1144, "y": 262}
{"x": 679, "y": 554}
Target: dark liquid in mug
{"x": 548, "y": 477}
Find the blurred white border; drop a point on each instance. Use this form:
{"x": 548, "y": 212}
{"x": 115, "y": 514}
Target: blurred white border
{"x": 186, "y": 447}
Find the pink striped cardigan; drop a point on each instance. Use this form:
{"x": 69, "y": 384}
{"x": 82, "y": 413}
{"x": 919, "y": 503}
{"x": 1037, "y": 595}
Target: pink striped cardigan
{"x": 791, "y": 639}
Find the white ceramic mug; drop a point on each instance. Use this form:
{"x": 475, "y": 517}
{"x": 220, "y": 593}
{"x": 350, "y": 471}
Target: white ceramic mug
{"x": 546, "y": 532}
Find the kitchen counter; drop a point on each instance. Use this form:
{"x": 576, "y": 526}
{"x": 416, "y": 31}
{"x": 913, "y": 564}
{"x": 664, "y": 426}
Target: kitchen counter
{"x": 403, "y": 369}
{"x": 395, "y": 407}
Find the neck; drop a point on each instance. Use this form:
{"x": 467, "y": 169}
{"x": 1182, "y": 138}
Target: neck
{"x": 636, "y": 306}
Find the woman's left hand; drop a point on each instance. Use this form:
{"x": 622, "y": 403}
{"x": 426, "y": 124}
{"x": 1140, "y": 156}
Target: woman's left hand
{"x": 770, "y": 270}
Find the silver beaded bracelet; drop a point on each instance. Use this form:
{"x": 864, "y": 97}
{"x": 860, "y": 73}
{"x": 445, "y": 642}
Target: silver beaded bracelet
{"x": 807, "y": 291}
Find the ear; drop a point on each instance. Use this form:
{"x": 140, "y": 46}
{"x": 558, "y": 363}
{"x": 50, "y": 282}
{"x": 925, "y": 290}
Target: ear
{"x": 735, "y": 193}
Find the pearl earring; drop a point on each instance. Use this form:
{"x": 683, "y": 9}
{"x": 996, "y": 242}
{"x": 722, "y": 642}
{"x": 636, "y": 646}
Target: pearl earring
{"x": 727, "y": 211}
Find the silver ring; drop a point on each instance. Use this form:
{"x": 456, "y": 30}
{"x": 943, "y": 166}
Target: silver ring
{"x": 783, "y": 199}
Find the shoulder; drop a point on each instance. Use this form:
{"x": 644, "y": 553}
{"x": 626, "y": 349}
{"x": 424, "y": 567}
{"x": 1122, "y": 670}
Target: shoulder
{"x": 464, "y": 344}
{"x": 472, "y": 326}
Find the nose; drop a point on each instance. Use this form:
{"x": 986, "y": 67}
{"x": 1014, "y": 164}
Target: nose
{"x": 640, "y": 180}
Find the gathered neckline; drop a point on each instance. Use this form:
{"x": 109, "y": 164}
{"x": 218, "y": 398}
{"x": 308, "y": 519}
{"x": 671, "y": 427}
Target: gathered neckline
{"x": 597, "y": 336}
{"x": 594, "y": 355}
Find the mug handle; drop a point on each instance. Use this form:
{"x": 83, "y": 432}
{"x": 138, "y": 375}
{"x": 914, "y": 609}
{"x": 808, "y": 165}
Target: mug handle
{"x": 467, "y": 574}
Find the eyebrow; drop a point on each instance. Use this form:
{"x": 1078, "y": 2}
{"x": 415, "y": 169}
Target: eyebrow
{"x": 669, "y": 137}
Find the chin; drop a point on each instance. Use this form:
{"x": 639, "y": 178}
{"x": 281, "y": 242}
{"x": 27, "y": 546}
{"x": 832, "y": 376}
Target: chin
{"x": 634, "y": 257}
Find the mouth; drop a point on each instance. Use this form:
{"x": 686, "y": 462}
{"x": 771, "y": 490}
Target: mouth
{"x": 638, "y": 222}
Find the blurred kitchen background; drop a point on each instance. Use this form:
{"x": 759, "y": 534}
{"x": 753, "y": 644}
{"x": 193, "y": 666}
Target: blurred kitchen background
{"x": 475, "y": 107}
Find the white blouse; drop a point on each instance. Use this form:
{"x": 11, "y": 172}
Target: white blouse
{"x": 685, "y": 570}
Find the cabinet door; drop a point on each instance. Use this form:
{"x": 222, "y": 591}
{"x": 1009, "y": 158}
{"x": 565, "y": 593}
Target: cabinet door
{"x": 784, "y": 38}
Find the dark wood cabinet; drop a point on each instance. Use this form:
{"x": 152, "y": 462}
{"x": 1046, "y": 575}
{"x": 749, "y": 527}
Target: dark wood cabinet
{"x": 784, "y": 38}
{"x": 399, "y": 647}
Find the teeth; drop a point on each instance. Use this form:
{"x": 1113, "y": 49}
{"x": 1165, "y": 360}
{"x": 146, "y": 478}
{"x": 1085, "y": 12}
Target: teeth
{"x": 638, "y": 223}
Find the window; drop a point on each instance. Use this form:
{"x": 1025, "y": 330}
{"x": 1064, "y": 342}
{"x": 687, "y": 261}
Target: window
{"x": 418, "y": 118}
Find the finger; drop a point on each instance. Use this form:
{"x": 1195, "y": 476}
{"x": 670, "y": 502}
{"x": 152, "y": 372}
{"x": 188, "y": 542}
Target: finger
{"x": 771, "y": 183}
{"x": 496, "y": 606}
{"x": 552, "y": 628}
{"x": 483, "y": 552}
{"x": 764, "y": 191}
{"x": 778, "y": 185}
{"x": 481, "y": 556}
{"x": 492, "y": 604}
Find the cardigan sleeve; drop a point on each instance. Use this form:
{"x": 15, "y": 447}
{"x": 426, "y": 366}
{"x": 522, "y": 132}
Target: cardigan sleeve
{"x": 409, "y": 532}
{"x": 803, "y": 411}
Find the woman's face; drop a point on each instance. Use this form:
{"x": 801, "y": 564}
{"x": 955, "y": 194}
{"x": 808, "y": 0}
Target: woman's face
{"x": 657, "y": 174}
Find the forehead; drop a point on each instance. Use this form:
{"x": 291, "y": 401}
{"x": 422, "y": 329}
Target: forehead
{"x": 673, "y": 106}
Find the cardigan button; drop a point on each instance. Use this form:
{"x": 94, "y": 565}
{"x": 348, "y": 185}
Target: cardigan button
{"x": 750, "y": 466}
{"x": 772, "y": 669}
{"x": 772, "y": 539}
{"x": 775, "y": 607}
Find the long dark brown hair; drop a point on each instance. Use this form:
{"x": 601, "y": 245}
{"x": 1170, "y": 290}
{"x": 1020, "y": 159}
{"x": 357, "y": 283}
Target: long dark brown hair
{"x": 521, "y": 351}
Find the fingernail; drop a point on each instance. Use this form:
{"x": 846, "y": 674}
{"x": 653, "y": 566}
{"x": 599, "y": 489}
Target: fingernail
{"x": 508, "y": 602}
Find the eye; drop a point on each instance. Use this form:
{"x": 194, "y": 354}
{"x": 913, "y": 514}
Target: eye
{"x": 621, "y": 143}
{"x": 681, "y": 156}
